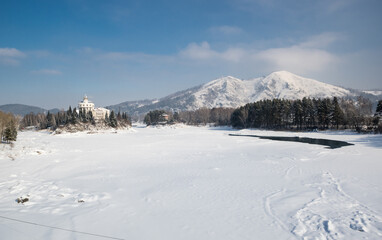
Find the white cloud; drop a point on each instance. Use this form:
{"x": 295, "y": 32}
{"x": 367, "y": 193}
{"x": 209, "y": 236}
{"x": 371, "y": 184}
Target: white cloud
{"x": 304, "y": 57}
{"x": 47, "y": 72}
{"x": 297, "y": 59}
{"x": 198, "y": 51}
{"x": 322, "y": 40}
{"x": 10, "y": 56}
{"x": 11, "y": 52}
{"x": 203, "y": 51}
{"x": 234, "y": 54}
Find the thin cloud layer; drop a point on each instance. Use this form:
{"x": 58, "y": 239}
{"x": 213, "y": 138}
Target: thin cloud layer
{"x": 199, "y": 51}
{"x": 10, "y": 56}
{"x": 297, "y": 59}
{"x": 47, "y": 72}
{"x": 304, "y": 57}
{"x": 226, "y": 30}
{"x": 203, "y": 51}
{"x": 322, "y": 40}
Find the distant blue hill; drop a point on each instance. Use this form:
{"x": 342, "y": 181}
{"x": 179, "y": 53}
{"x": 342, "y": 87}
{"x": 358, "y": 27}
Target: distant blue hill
{"x": 21, "y": 109}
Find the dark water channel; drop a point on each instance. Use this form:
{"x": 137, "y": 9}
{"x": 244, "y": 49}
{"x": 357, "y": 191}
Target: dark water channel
{"x": 325, "y": 142}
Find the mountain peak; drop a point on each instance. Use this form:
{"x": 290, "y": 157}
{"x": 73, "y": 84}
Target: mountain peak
{"x": 229, "y": 91}
{"x": 223, "y": 81}
{"x": 285, "y": 76}
{"x": 225, "y": 78}
{"x": 282, "y": 73}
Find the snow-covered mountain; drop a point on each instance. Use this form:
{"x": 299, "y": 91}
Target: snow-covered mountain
{"x": 233, "y": 92}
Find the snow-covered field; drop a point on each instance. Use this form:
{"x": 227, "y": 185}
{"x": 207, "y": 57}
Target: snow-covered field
{"x": 190, "y": 183}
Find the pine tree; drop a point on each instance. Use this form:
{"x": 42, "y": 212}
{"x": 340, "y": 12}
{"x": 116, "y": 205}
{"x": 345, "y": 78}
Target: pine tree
{"x": 311, "y": 113}
{"x": 81, "y": 115}
{"x": 113, "y": 120}
{"x": 239, "y": 118}
{"x": 377, "y": 117}
{"x": 107, "y": 120}
{"x": 74, "y": 117}
{"x": 154, "y": 117}
{"x": 90, "y": 117}
{"x": 176, "y": 116}
{"x": 10, "y": 133}
{"x": 286, "y": 113}
{"x": 378, "y": 111}
{"x": 147, "y": 120}
{"x": 51, "y": 121}
{"x": 337, "y": 113}
{"x": 69, "y": 112}
{"x": 298, "y": 113}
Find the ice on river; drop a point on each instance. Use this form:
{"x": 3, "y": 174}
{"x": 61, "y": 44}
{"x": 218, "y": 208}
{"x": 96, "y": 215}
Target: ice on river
{"x": 183, "y": 182}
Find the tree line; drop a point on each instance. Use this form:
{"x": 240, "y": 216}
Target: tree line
{"x": 64, "y": 118}
{"x": 301, "y": 114}
{"x": 305, "y": 114}
{"x": 202, "y": 116}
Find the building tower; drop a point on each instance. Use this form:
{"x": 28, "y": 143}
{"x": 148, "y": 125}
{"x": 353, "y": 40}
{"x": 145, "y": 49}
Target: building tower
{"x": 86, "y": 105}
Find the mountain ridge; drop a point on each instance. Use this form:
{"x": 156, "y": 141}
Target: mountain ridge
{"x": 233, "y": 92}
{"x": 227, "y": 91}
{"x": 22, "y": 109}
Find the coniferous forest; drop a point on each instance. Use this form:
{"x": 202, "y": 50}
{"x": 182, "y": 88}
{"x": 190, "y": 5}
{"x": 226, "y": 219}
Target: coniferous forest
{"x": 276, "y": 114}
{"x": 307, "y": 114}
{"x": 286, "y": 114}
{"x": 281, "y": 114}
{"x": 73, "y": 117}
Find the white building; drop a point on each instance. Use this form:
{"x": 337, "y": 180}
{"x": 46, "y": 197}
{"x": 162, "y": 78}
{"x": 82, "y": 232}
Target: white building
{"x": 86, "y": 105}
{"x": 98, "y": 113}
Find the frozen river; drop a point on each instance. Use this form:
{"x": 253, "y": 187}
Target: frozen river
{"x": 184, "y": 182}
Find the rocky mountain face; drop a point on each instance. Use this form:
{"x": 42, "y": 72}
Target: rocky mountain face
{"x": 233, "y": 92}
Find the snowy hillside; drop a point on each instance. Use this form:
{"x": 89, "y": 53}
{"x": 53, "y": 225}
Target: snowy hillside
{"x": 233, "y": 92}
{"x": 290, "y": 86}
{"x": 375, "y": 92}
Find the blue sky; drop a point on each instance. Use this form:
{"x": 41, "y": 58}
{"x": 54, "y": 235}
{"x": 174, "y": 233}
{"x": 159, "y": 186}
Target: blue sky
{"x": 53, "y": 52}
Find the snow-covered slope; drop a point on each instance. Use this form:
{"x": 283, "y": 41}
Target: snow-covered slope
{"x": 223, "y": 92}
{"x": 290, "y": 86}
{"x": 233, "y": 92}
{"x": 374, "y": 92}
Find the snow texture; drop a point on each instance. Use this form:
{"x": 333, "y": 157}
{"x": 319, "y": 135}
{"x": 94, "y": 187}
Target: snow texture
{"x": 233, "y": 92}
{"x": 180, "y": 182}
{"x": 375, "y": 93}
